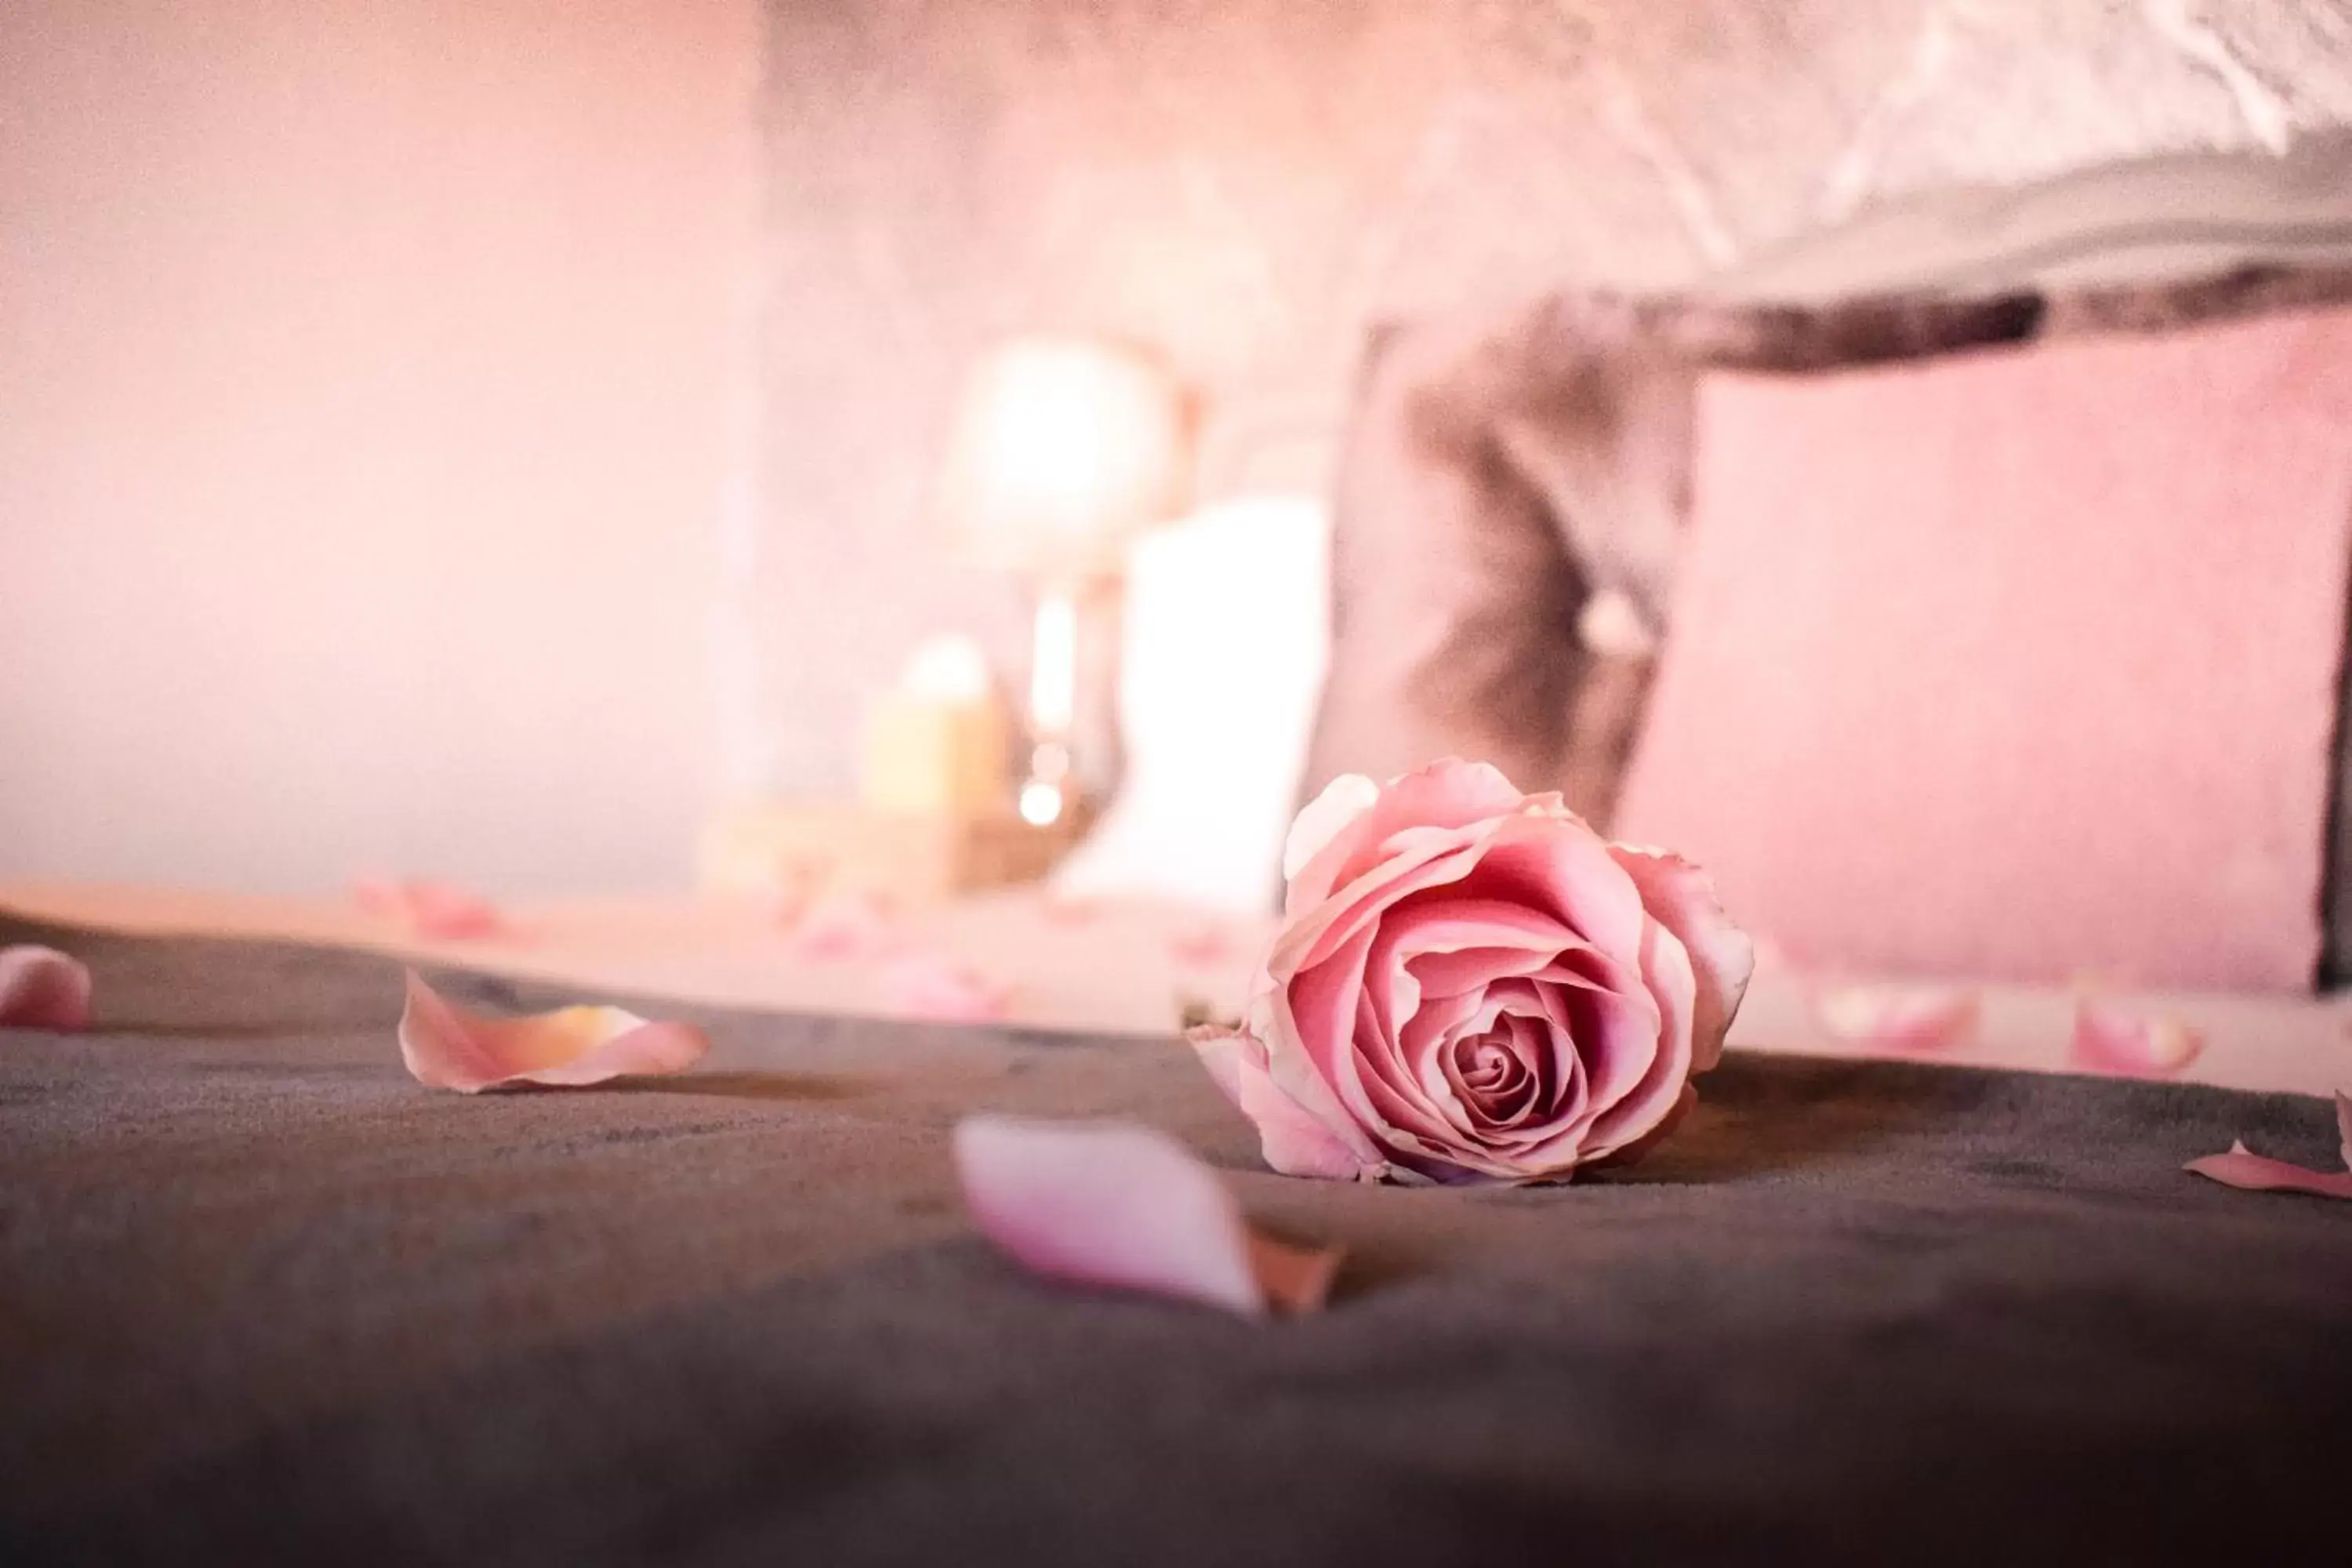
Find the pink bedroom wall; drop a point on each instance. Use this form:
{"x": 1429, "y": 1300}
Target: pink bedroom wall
{"x": 366, "y": 378}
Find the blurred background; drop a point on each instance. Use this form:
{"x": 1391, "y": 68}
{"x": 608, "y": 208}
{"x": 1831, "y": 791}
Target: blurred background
{"x": 613, "y": 445}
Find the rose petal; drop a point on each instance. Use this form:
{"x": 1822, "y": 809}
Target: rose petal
{"x": 1898, "y": 1017}
{"x": 1322, "y": 819}
{"x": 796, "y": 885}
{"x": 1681, "y": 897}
{"x": 1569, "y": 873}
{"x": 41, "y": 988}
{"x": 1633, "y": 1153}
{"x": 1129, "y": 1208}
{"x": 1441, "y": 798}
{"x": 1317, "y": 1065}
{"x": 441, "y": 911}
{"x": 2109, "y": 1041}
{"x": 1669, "y": 987}
{"x": 1464, "y": 944}
{"x": 847, "y": 928}
{"x": 573, "y": 1046}
{"x": 929, "y": 985}
{"x": 1291, "y": 1141}
{"x": 1066, "y": 910}
{"x": 1199, "y": 946}
{"x": 2242, "y": 1168}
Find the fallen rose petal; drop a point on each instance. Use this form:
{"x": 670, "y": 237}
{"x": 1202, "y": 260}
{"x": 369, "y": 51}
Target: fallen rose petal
{"x": 2240, "y": 1167}
{"x": 41, "y": 988}
{"x": 440, "y": 911}
{"x": 2109, "y": 1041}
{"x": 1067, "y": 909}
{"x": 1898, "y": 1017}
{"x": 570, "y": 1048}
{"x": 929, "y": 986}
{"x": 1125, "y": 1207}
{"x": 794, "y": 891}
{"x": 847, "y": 928}
{"x": 1197, "y": 947}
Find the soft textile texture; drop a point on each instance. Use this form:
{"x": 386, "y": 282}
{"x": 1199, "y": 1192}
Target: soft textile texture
{"x": 264, "y": 1299}
{"x": 2019, "y": 665}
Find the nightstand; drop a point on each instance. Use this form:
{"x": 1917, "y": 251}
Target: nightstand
{"x": 810, "y": 848}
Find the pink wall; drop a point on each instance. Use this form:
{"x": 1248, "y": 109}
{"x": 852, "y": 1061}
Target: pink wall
{"x": 367, "y": 370}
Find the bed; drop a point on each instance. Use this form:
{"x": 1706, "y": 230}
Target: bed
{"x": 268, "y": 1300}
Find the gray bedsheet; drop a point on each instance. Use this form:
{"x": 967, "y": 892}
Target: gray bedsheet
{"x": 263, "y": 1297}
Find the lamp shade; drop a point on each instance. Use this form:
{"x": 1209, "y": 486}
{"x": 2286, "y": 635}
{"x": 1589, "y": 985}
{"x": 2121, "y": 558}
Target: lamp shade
{"x": 1061, "y": 449}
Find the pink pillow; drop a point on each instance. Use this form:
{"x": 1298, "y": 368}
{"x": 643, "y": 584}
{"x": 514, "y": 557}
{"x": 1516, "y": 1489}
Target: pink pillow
{"x": 2022, "y": 664}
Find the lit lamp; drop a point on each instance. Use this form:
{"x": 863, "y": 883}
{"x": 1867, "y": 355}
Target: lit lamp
{"x": 1062, "y": 448}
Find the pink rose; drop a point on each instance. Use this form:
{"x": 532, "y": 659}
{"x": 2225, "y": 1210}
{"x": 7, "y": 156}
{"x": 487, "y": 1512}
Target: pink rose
{"x": 1471, "y": 985}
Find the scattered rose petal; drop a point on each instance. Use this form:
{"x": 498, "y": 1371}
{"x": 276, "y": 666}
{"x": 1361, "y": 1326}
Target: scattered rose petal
{"x": 441, "y": 911}
{"x": 1197, "y": 947}
{"x": 2106, "y": 1040}
{"x": 1898, "y": 1017}
{"x": 1125, "y": 1207}
{"x": 573, "y": 1046}
{"x": 927, "y": 986}
{"x": 796, "y": 891}
{"x": 41, "y": 988}
{"x": 847, "y": 928}
{"x": 2240, "y": 1167}
{"x": 1067, "y": 909}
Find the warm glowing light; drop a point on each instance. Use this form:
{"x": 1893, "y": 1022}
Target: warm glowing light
{"x": 1054, "y": 666}
{"x": 947, "y": 669}
{"x": 1062, "y": 448}
{"x": 1041, "y": 803}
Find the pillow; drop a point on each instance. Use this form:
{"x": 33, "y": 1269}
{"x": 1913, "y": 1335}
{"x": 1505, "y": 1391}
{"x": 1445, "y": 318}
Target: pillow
{"x": 1220, "y": 656}
{"x": 2167, "y": 304}
{"x": 2022, "y": 665}
{"x": 1507, "y": 486}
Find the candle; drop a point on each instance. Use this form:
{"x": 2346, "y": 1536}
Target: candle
{"x": 935, "y": 745}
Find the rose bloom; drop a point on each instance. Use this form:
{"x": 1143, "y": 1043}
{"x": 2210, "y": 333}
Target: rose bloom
{"x": 1471, "y": 985}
